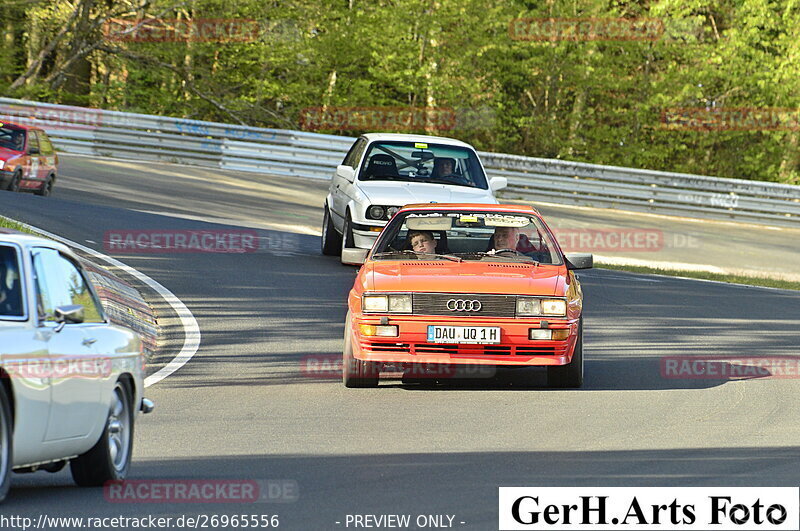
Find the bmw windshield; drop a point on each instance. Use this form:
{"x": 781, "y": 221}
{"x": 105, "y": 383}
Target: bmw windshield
{"x": 423, "y": 162}
{"x": 467, "y": 235}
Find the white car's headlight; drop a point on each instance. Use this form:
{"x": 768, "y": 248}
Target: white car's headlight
{"x": 391, "y": 303}
{"x": 533, "y": 306}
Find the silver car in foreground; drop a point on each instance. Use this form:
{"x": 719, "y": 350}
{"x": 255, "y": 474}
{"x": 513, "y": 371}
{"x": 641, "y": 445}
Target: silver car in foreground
{"x": 71, "y": 383}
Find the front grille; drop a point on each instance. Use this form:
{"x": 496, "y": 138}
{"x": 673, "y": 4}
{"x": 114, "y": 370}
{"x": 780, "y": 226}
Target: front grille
{"x": 421, "y": 349}
{"x": 491, "y": 305}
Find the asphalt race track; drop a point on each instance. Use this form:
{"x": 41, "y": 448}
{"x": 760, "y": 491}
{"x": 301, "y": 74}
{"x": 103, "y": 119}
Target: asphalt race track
{"x": 243, "y": 409}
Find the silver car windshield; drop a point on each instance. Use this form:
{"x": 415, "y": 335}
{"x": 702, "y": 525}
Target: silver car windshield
{"x": 423, "y": 162}
{"x": 467, "y": 235}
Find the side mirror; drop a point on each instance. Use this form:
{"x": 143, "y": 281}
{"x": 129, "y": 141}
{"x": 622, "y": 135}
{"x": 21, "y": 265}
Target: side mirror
{"x": 579, "y": 260}
{"x": 354, "y": 256}
{"x": 497, "y": 183}
{"x": 346, "y": 172}
{"x": 72, "y": 313}
{"x": 33, "y": 151}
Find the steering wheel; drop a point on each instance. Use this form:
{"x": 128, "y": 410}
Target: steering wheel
{"x": 498, "y": 251}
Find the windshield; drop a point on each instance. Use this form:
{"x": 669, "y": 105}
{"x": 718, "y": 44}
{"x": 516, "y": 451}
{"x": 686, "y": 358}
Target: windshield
{"x": 12, "y": 138}
{"x": 423, "y": 162}
{"x": 467, "y": 235}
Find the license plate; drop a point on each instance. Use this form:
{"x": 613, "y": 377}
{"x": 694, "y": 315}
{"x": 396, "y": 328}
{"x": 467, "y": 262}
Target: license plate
{"x": 464, "y": 334}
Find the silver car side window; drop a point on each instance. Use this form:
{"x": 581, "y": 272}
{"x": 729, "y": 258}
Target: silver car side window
{"x": 11, "y": 300}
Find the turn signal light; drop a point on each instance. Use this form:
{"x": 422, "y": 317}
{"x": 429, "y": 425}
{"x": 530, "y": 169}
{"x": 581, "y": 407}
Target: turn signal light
{"x": 379, "y": 330}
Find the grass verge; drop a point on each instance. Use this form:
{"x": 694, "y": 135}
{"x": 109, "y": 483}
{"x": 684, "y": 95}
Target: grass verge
{"x": 6, "y": 223}
{"x": 703, "y": 275}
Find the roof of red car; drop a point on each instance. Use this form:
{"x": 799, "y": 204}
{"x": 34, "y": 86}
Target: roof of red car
{"x": 470, "y": 206}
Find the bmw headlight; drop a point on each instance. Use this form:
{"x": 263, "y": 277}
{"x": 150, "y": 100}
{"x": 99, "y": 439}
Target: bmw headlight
{"x": 534, "y": 307}
{"x": 376, "y": 212}
{"x": 389, "y": 303}
{"x": 382, "y": 213}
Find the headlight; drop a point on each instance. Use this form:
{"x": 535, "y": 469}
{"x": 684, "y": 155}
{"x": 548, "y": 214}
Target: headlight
{"x": 375, "y": 303}
{"x": 400, "y": 303}
{"x": 2, "y": 164}
{"x": 529, "y": 306}
{"x": 532, "y": 306}
{"x": 554, "y": 307}
{"x": 376, "y": 212}
{"x": 391, "y": 211}
{"x": 393, "y": 303}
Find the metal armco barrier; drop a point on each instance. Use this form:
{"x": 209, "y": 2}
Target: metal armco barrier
{"x": 295, "y": 153}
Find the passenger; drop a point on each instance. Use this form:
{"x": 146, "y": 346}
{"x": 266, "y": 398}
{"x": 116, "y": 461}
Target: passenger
{"x": 422, "y": 241}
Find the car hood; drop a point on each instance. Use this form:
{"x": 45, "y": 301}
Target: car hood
{"x": 6, "y": 154}
{"x": 393, "y": 193}
{"x": 466, "y": 277}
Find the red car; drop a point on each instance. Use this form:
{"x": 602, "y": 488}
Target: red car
{"x": 454, "y": 285}
{"x": 28, "y": 161}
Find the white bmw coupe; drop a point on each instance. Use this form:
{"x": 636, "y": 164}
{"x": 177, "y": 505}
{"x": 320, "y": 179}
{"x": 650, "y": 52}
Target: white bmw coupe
{"x": 383, "y": 171}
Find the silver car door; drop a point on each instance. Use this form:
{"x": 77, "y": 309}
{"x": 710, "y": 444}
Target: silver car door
{"x": 75, "y": 390}
{"x": 23, "y": 357}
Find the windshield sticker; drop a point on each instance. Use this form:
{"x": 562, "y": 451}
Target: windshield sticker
{"x": 468, "y": 219}
{"x": 420, "y": 145}
{"x": 438, "y": 223}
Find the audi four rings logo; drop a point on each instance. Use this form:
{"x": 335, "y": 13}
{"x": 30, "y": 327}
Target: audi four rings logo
{"x": 460, "y": 305}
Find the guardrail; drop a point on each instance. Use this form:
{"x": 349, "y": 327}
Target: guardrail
{"x": 297, "y": 153}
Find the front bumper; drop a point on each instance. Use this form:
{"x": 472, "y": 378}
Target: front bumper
{"x": 514, "y": 349}
{"x": 364, "y": 235}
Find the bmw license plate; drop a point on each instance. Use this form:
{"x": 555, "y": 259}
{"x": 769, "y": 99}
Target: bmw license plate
{"x": 464, "y": 334}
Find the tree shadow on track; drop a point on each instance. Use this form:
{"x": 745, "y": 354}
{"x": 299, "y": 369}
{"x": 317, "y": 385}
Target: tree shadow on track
{"x": 460, "y": 483}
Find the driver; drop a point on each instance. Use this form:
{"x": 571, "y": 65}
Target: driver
{"x": 506, "y": 238}
{"x": 444, "y": 167}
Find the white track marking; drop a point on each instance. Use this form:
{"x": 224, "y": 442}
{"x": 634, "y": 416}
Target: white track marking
{"x": 191, "y": 329}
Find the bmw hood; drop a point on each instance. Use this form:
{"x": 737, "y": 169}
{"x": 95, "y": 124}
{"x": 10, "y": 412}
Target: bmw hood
{"x": 393, "y": 193}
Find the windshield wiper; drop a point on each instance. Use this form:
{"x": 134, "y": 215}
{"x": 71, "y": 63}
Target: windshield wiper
{"x": 407, "y": 252}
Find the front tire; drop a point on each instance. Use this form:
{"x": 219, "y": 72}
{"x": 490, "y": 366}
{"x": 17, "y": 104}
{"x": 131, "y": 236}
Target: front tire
{"x": 13, "y": 186}
{"x": 347, "y": 233}
{"x": 355, "y": 372}
{"x": 6, "y": 443}
{"x": 47, "y": 187}
{"x": 331, "y": 240}
{"x": 110, "y": 458}
{"x": 569, "y": 376}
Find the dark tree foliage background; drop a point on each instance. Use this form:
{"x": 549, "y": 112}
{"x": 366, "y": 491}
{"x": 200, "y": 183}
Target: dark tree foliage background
{"x": 595, "y": 101}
